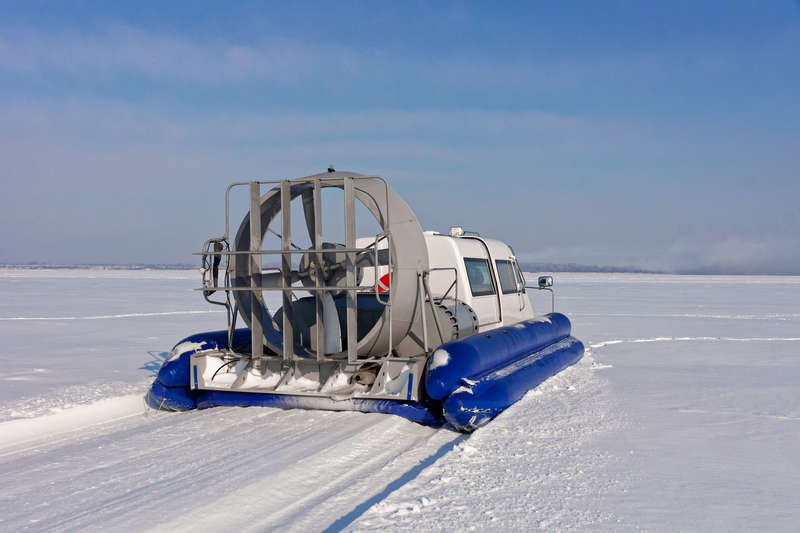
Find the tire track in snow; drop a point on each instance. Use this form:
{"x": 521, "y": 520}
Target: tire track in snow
{"x": 398, "y": 483}
{"x": 737, "y": 413}
{"x": 223, "y": 468}
{"x": 769, "y": 316}
{"x": 534, "y": 467}
{"x": 329, "y": 483}
{"x": 684, "y": 339}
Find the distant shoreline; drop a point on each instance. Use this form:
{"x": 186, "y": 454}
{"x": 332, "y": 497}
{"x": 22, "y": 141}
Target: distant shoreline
{"x": 99, "y": 266}
{"x": 526, "y": 267}
{"x": 575, "y": 267}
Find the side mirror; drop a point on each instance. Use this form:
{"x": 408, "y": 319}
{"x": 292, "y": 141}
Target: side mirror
{"x": 545, "y": 282}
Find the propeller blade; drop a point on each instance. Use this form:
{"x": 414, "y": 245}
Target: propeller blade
{"x": 367, "y": 259}
{"x": 308, "y": 211}
{"x": 330, "y": 320}
{"x": 272, "y": 280}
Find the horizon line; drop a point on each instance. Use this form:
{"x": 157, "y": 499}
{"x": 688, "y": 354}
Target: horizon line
{"x": 525, "y": 266}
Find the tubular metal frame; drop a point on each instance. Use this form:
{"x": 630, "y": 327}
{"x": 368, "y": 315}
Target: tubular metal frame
{"x": 285, "y": 252}
{"x": 452, "y": 285}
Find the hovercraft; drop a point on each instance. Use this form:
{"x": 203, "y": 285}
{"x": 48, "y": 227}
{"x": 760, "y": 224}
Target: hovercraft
{"x": 437, "y": 328}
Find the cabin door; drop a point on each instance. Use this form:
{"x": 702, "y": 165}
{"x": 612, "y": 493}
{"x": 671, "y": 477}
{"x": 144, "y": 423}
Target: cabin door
{"x": 510, "y": 291}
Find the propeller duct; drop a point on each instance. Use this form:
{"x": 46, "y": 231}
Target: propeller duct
{"x": 408, "y": 253}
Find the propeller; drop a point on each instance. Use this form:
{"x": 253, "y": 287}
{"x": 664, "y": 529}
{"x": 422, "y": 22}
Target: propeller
{"x": 330, "y": 321}
{"x": 308, "y": 266}
{"x": 274, "y": 280}
{"x": 308, "y": 211}
{"x": 333, "y": 272}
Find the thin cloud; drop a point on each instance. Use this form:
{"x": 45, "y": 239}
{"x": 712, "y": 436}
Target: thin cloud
{"x": 124, "y": 49}
{"x": 626, "y": 183}
{"x": 95, "y": 123}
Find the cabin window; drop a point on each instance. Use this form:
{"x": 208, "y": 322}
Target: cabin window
{"x": 508, "y": 279}
{"x": 480, "y": 281}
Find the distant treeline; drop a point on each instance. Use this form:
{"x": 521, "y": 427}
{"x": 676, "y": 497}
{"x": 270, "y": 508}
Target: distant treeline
{"x": 100, "y": 266}
{"x": 526, "y": 267}
{"x": 575, "y": 267}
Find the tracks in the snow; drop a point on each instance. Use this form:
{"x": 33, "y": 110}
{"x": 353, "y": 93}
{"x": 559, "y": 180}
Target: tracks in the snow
{"x": 226, "y": 468}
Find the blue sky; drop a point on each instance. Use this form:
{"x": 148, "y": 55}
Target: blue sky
{"x": 627, "y": 133}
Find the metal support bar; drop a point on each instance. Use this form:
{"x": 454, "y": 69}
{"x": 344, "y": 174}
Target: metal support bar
{"x": 454, "y": 284}
{"x": 378, "y": 239}
{"x": 421, "y": 296}
{"x": 351, "y": 252}
{"x": 291, "y": 182}
{"x": 318, "y": 274}
{"x": 552, "y": 295}
{"x": 391, "y": 277}
{"x": 427, "y": 288}
{"x": 366, "y": 289}
{"x": 285, "y": 252}
{"x": 350, "y": 242}
{"x": 286, "y": 269}
{"x": 552, "y": 298}
{"x": 257, "y": 304}
{"x": 450, "y": 288}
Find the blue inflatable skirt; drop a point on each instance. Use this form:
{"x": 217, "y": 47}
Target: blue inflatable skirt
{"x": 467, "y": 382}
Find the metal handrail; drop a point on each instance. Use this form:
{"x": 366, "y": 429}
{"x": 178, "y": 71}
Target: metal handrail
{"x": 454, "y": 284}
{"x": 552, "y": 295}
{"x": 293, "y": 182}
{"x": 300, "y": 251}
{"x": 366, "y": 289}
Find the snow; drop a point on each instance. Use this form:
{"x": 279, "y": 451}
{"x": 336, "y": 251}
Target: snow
{"x": 183, "y": 347}
{"x": 440, "y": 358}
{"x": 518, "y": 473}
{"x": 21, "y": 432}
{"x": 683, "y": 416}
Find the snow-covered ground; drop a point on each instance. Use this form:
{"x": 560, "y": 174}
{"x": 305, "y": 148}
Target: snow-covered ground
{"x": 683, "y": 416}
